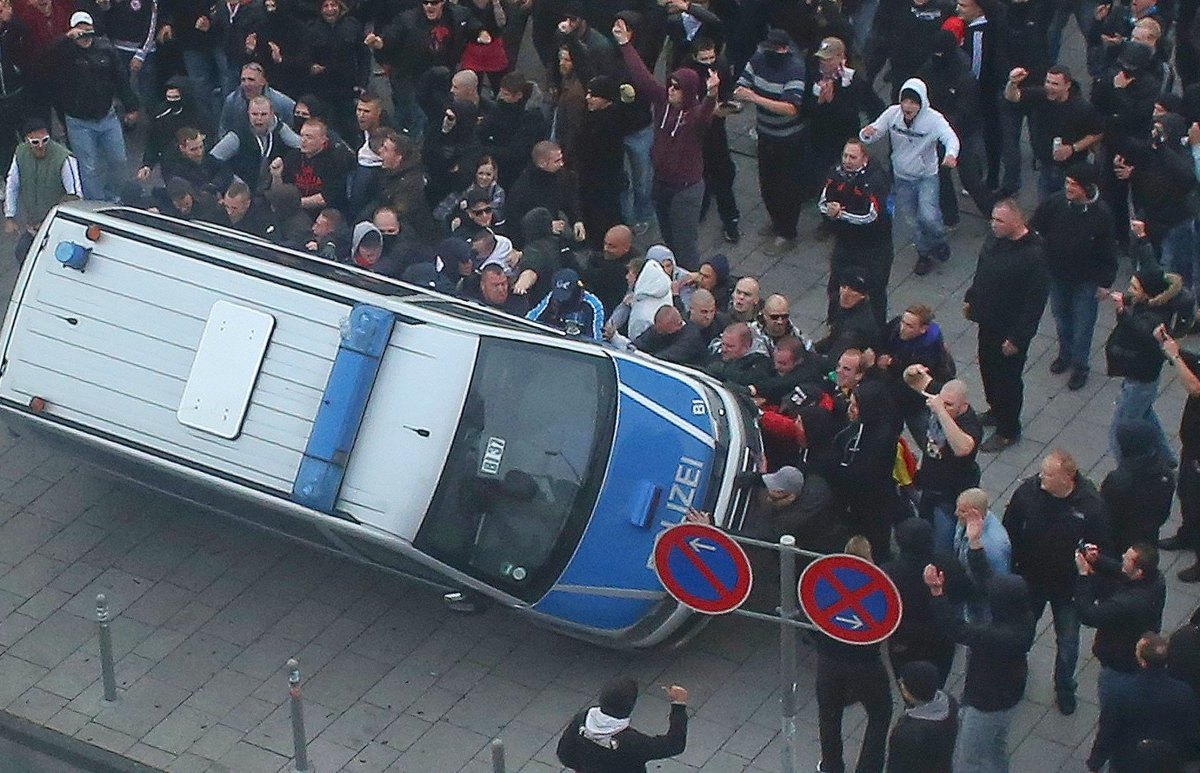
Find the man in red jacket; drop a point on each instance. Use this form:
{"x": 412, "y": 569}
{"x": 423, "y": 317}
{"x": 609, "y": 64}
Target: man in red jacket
{"x": 682, "y": 111}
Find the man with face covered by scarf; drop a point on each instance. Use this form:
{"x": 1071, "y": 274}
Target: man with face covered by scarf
{"x": 773, "y": 82}
{"x": 600, "y": 738}
{"x": 1161, "y": 178}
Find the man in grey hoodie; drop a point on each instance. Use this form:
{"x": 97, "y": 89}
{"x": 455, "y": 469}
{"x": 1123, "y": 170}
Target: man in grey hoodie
{"x": 922, "y": 740}
{"x": 915, "y": 130}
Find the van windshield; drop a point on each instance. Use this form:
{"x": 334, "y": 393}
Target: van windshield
{"x": 525, "y": 467}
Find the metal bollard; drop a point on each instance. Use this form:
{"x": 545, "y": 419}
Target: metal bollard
{"x": 299, "y": 743}
{"x": 787, "y": 650}
{"x": 497, "y": 756}
{"x": 107, "y": 672}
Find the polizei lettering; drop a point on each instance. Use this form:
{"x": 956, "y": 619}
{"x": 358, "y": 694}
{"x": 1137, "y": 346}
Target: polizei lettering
{"x": 683, "y": 489}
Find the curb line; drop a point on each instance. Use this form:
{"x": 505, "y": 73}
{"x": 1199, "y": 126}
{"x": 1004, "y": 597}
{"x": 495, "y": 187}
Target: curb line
{"x": 68, "y": 749}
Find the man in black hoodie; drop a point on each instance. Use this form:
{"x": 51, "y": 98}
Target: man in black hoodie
{"x": 598, "y": 157}
{"x": 922, "y": 740}
{"x": 1125, "y": 97}
{"x": 91, "y": 78}
{"x": 1077, "y": 228}
{"x": 1047, "y": 517}
{"x": 866, "y": 450}
{"x": 1187, "y": 367}
{"x": 1006, "y": 299}
{"x": 1150, "y": 705}
{"x": 954, "y": 92}
{"x": 1134, "y": 607}
{"x": 434, "y": 34}
{"x": 997, "y": 663}
{"x": 1162, "y": 179}
{"x": 600, "y": 738}
{"x": 511, "y": 128}
{"x": 919, "y": 638}
{"x": 1139, "y": 493}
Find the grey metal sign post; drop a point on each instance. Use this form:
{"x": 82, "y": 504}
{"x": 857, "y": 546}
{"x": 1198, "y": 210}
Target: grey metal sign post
{"x": 788, "y": 621}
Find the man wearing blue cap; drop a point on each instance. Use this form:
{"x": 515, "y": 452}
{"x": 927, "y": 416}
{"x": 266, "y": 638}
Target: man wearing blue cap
{"x": 570, "y": 308}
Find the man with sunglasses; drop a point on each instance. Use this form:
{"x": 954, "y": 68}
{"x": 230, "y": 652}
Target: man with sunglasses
{"x": 43, "y": 173}
{"x": 477, "y": 215}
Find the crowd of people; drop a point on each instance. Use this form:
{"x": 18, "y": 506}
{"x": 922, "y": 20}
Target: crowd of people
{"x": 531, "y": 192}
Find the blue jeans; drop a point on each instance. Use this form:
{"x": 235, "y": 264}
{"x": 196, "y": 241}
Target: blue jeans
{"x": 637, "y": 203}
{"x": 1051, "y": 180}
{"x": 208, "y": 70}
{"x": 1066, "y": 637}
{"x": 1084, "y": 12}
{"x": 1179, "y": 252}
{"x": 864, "y": 19}
{"x": 1074, "y": 307}
{"x": 938, "y": 509}
{"x": 917, "y": 204}
{"x": 1136, "y": 401}
{"x": 1011, "y": 118}
{"x": 983, "y": 740}
{"x": 100, "y": 148}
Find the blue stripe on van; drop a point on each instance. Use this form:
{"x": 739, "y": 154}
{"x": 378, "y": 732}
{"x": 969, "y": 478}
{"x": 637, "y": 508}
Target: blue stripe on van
{"x": 364, "y": 339}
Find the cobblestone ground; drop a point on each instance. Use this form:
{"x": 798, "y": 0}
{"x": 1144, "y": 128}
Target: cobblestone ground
{"x": 207, "y": 612}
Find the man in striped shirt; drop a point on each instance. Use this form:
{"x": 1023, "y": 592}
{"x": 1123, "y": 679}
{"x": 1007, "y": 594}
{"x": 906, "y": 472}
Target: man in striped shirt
{"x": 774, "y": 82}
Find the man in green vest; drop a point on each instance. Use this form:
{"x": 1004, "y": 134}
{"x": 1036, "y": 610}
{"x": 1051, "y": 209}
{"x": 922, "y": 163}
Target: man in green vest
{"x": 43, "y": 173}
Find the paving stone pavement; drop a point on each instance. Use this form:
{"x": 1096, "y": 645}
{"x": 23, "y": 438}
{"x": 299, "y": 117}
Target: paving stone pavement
{"x": 206, "y": 611}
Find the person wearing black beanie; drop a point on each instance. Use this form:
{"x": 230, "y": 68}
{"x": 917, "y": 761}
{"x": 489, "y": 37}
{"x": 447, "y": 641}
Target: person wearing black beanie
{"x": 923, "y": 738}
{"x": 600, "y": 738}
{"x": 1077, "y": 228}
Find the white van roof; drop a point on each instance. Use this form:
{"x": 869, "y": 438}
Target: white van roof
{"x": 111, "y": 349}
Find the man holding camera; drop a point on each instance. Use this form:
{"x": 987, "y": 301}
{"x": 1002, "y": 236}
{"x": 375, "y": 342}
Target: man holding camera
{"x": 1120, "y": 619}
{"x": 92, "y": 75}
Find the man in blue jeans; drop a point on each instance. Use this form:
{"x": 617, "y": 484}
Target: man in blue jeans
{"x": 1077, "y": 229}
{"x": 915, "y": 130}
{"x": 1133, "y": 353}
{"x": 1047, "y": 518}
{"x": 92, "y": 76}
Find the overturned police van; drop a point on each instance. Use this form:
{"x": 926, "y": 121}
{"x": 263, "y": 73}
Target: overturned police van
{"x": 421, "y": 434}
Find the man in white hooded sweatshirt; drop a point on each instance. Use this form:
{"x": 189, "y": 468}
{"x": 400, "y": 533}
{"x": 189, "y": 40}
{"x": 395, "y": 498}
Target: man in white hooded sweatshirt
{"x": 600, "y": 740}
{"x": 915, "y": 129}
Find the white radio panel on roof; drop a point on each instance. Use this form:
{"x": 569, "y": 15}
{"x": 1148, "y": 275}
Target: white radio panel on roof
{"x": 226, "y": 366}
